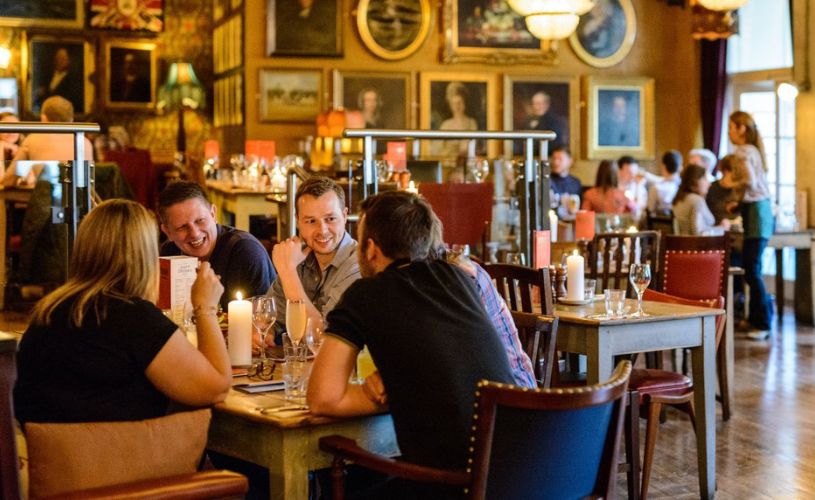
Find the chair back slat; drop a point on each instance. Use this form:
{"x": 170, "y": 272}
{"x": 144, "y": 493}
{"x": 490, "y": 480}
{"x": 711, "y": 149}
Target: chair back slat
{"x": 538, "y": 336}
{"x": 611, "y": 254}
{"x": 518, "y": 284}
{"x": 548, "y": 443}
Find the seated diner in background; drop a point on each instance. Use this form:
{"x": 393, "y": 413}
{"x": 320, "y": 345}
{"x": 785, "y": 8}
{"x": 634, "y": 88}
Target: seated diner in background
{"x": 45, "y": 147}
{"x": 9, "y": 141}
{"x": 605, "y": 196}
{"x": 722, "y": 196}
{"x": 188, "y": 220}
{"x": 691, "y": 213}
{"x": 425, "y": 335}
{"x": 98, "y": 349}
{"x": 661, "y": 193}
{"x": 634, "y": 181}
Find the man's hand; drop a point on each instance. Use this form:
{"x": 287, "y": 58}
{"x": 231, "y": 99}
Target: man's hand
{"x": 288, "y": 254}
{"x": 374, "y": 389}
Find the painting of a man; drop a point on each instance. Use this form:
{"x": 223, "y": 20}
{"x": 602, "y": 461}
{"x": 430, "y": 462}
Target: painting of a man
{"x": 541, "y": 106}
{"x": 130, "y": 79}
{"x": 303, "y": 27}
{"x": 619, "y": 118}
{"x": 58, "y": 68}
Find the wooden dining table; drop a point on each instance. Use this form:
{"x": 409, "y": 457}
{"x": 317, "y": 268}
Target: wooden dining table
{"x": 257, "y": 428}
{"x": 584, "y": 329}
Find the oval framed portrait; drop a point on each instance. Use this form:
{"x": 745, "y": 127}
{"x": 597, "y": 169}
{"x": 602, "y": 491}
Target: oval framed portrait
{"x": 606, "y": 33}
{"x": 393, "y": 29}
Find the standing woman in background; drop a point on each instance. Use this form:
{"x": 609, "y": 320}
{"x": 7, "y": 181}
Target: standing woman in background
{"x": 750, "y": 179}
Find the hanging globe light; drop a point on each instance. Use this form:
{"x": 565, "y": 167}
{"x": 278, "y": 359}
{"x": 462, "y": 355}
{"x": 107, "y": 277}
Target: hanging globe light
{"x": 722, "y": 4}
{"x": 526, "y": 7}
{"x": 556, "y": 26}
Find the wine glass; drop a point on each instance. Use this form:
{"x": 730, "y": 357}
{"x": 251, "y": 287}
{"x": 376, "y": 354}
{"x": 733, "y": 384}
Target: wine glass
{"x": 296, "y": 320}
{"x": 314, "y": 335}
{"x": 640, "y": 277}
{"x": 264, "y": 315}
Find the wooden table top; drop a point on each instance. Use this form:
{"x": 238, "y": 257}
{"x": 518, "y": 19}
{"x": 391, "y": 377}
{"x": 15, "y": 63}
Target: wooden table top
{"x": 229, "y": 188}
{"x": 590, "y": 314}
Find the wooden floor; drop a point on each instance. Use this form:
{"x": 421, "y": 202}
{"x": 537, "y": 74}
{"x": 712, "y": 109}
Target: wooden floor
{"x": 767, "y": 448}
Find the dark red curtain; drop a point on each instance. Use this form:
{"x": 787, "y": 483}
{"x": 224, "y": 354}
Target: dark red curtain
{"x": 713, "y": 86}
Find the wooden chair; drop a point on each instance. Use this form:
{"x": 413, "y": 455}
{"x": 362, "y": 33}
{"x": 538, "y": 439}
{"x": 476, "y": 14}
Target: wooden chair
{"x": 517, "y": 284}
{"x": 525, "y": 444}
{"x": 649, "y": 391}
{"x": 662, "y": 223}
{"x": 695, "y": 268}
{"x": 137, "y": 168}
{"x": 208, "y": 484}
{"x": 465, "y": 210}
{"x": 610, "y": 254}
{"x": 538, "y": 335}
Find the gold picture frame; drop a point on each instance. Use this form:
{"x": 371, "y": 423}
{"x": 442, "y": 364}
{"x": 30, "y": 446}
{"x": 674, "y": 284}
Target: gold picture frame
{"x": 393, "y": 93}
{"x": 470, "y": 37}
{"x": 605, "y": 35}
{"x": 619, "y": 117}
{"x": 290, "y": 95}
{"x": 41, "y": 55}
{"x": 43, "y": 14}
{"x": 477, "y": 91}
{"x": 388, "y": 42}
{"x": 520, "y": 92}
{"x": 131, "y": 74}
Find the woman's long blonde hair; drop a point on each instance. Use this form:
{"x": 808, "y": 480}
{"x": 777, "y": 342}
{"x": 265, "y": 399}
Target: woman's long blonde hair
{"x": 115, "y": 255}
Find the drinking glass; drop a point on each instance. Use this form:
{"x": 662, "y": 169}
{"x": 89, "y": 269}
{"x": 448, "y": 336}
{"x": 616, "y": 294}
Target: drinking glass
{"x": 295, "y": 373}
{"x": 296, "y": 320}
{"x": 640, "y": 277}
{"x": 588, "y": 289}
{"x": 314, "y": 335}
{"x": 264, "y": 315}
{"x": 615, "y": 302}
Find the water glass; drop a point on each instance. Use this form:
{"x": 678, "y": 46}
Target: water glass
{"x": 615, "y": 302}
{"x": 295, "y": 373}
{"x": 588, "y": 289}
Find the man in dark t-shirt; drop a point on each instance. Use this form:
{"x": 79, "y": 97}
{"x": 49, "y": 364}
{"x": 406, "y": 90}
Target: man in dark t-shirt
{"x": 188, "y": 220}
{"x": 426, "y": 330}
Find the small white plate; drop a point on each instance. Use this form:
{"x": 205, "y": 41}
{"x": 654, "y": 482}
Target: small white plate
{"x": 570, "y": 302}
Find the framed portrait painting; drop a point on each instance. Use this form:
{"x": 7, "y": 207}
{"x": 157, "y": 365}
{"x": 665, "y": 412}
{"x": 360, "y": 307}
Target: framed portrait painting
{"x": 127, "y": 15}
{"x": 290, "y": 95}
{"x": 536, "y": 103}
{"x": 384, "y": 99}
{"x": 43, "y": 13}
{"x": 60, "y": 66}
{"x": 620, "y": 117}
{"x": 606, "y": 33}
{"x": 303, "y": 28}
{"x": 394, "y": 29}
{"x": 130, "y": 74}
{"x": 489, "y": 31}
{"x": 461, "y": 102}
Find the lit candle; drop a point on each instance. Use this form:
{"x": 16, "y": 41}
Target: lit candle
{"x": 553, "y": 225}
{"x": 574, "y": 277}
{"x": 412, "y": 188}
{"x": 240, "y": 331}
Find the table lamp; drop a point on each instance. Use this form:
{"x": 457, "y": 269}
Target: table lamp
{"x": 181, "y": 90}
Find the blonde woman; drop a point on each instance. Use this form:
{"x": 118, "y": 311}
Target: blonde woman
{"x": 98, "y": 349}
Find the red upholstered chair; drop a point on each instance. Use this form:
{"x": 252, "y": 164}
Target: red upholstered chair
{"x": 649, "y": 390}
{"x": 137, "y": 168}
{"x": 464, "y": 209}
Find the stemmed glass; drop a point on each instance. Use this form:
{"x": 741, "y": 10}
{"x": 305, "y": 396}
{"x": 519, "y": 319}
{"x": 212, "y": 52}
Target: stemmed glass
{"x": 264, "y": 315}
{"x": 296, "y": 320}
{"x": 640, "y": 277}
{"x": 314, "y": 335}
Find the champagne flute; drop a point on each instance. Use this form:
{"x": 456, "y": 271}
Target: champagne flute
{"x": 640, "y": 277}
{"x": 296, "y": 320}
{"x": 264, "y": 315}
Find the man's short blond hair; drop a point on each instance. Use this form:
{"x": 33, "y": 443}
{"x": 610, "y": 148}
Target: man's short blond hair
{"x": 58, "y": 109}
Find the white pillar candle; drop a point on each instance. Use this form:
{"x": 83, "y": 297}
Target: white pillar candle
{"x": 553, "y": 225}
{"x": 574, "y": 277}
{"x": 240, "y": 331}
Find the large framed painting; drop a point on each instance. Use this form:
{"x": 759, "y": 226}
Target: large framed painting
{"x": 130, "y": 74}
{"x": 384, "y": 99}
{"x": 489, "y": 31}
{"x": 60, "y": 66}
{"x": 620, "y": 117}
{"x": 532, "y": 102}
{"x": 43, "y": 13}
{"x": 606, "y": 33}
{"x": 458, "y": 101}
{"x": 290, "y": 95}
{"x": 303, "y": 28}
{"x": 394, "y": 29}
{"x": 127, "y": 15}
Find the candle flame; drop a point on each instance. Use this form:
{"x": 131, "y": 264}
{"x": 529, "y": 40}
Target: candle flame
{"x": 551, "y": 213}
{"x": 238, "y": 296}
{"x": 575, "y": 252}
{"x": 632, "y": 229}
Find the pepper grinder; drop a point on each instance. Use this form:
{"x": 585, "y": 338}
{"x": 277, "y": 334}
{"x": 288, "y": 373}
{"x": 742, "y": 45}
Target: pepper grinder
{"x": 553, "y": 281}
{"x": 561, "y": 282}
